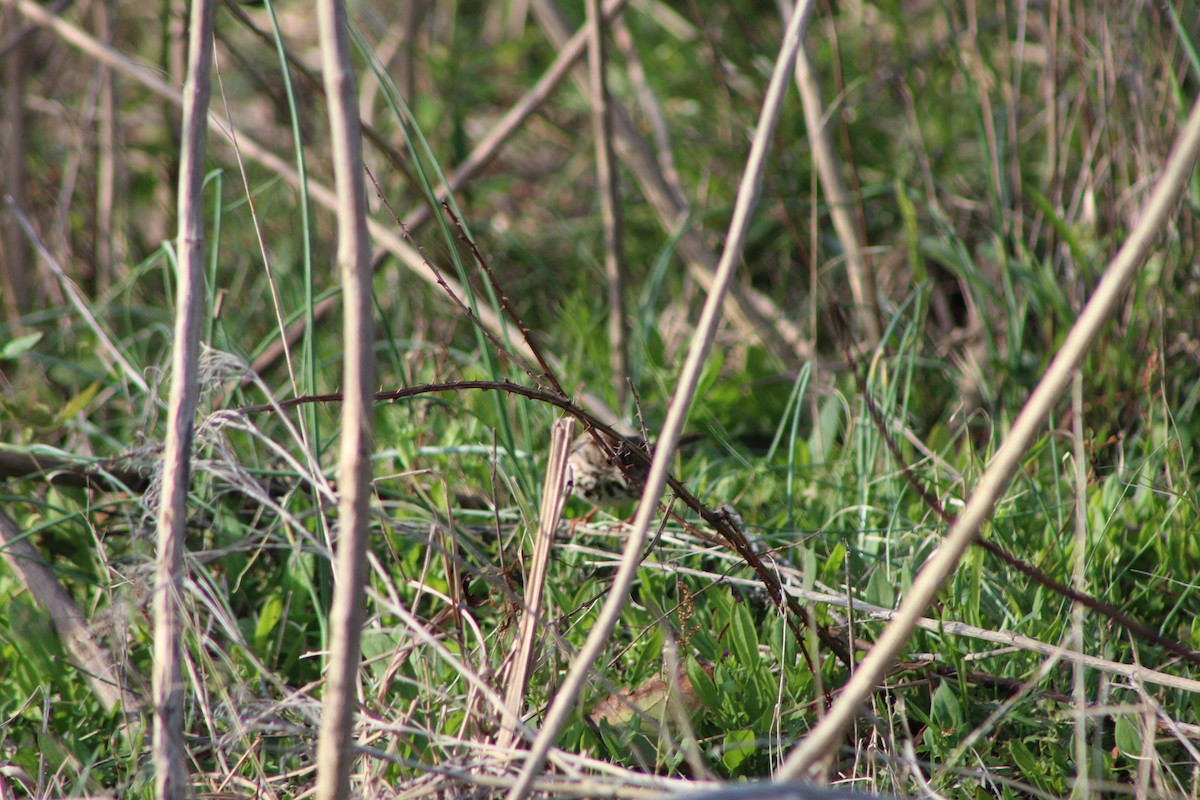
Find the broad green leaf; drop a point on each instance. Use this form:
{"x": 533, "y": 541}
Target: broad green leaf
{"x": 1128, "y": 736}
{"x": 1023, "y": 758}
{"x": 944, "y": 708}
{"x": 738, "y": 746}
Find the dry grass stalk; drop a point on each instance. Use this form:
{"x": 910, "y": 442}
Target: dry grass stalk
{"x": 334, "y": 747}
{"x": 608, "y": 189}
{"x": 554, "y": 494}
{"x": 170, "y": 770}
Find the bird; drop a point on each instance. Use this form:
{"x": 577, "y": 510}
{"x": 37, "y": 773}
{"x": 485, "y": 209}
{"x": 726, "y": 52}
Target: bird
{"x": 613, "y": 474}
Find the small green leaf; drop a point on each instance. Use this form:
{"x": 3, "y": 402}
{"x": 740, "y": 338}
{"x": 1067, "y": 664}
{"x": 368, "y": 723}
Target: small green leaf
{"x": 808, "y": 558}
{"x": 20, "y": 346}
{"x": 880, "y": 590}
{"x": 268, "y": 618}
{"x": 834, "y": 563}
{"x": 79, "y": 402}
{"x": 706, "y": 690}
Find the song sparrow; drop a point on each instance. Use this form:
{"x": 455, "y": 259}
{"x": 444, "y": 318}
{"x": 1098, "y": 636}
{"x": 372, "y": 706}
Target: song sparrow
{"x": 615, "y": 477}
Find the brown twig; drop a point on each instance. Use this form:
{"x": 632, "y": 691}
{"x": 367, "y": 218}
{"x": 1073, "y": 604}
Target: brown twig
{"x": 120, "y": 474}
{"x": 547, "y": 370}
{"x": 501, "y": 349}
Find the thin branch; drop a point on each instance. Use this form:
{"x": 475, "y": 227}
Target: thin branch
{"x": 170, "y": 776}
{"x": 334, "y": 748}
{"x": 862, "y": 279}
{"x": 608, "y": 189}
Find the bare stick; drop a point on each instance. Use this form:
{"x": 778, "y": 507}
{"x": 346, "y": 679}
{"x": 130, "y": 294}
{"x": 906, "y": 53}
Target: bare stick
{"x": 610, "y": 209}
{"x": 334, "y": 748}
{"x": 862, "y": 280}
{"x": 170, "y": 775}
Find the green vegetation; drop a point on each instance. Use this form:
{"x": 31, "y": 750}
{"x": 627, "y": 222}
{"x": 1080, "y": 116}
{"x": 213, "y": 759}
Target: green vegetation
{"x": 998, "y": 162}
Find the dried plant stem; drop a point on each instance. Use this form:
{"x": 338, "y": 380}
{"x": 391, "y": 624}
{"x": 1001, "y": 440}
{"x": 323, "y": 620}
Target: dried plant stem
{"x": 554, "y": 496}
{"x": 15, "y": 275}
{"x": 334, "y": 748}
{"x": 170, "y": 775}
{"x": 747, "y": 199}
{"x": 862, "y": 279}
{"x": 610, "y": 204}
{"x": 999, "y": 473}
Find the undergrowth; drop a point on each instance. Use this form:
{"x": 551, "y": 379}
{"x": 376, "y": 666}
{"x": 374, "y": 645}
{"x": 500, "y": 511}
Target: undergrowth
{"x": 991, "y": 211}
